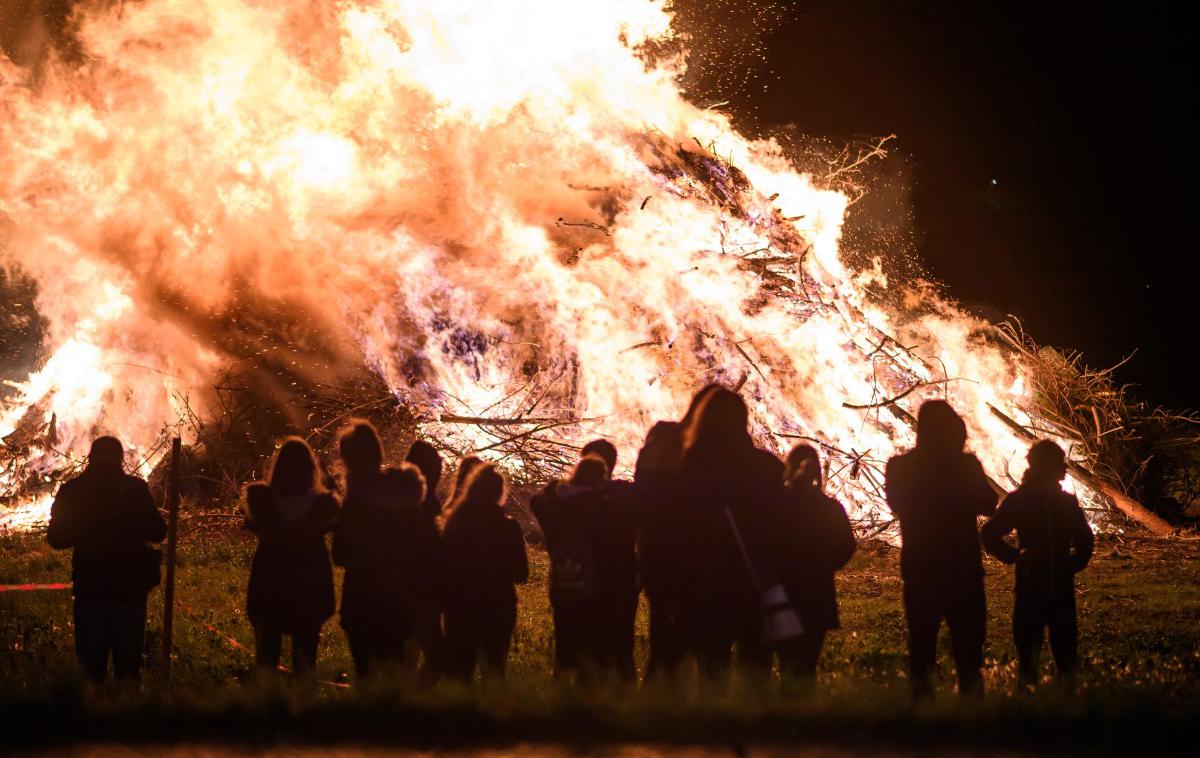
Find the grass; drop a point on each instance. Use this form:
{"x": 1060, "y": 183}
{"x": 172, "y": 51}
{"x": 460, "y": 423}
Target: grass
{"x": 1139, "y": 613}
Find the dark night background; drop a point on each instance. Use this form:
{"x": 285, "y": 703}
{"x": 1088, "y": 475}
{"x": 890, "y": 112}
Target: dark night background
{"x": 1077, "y": 111}
{"x": 1044, "y": 150}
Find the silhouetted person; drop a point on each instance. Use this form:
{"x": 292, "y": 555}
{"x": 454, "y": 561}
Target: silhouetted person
{"x": 569, "y": 515}
{"x": 723, "y": 476}
{"x": 425, "y": 457}
{"x": 1054, "y": 542}
{"x": 816, "y": 540}
{"x": 386, "y": 544}
{"x": 938, "y": 491}
{"x": 485, "y": 558}
{"x": 617, "y": 564}
{"x": 107, "y": 516}
{"x": 291, "y": 580}
{"x": 428, "y": 635}
{"x": 660, "y": 519}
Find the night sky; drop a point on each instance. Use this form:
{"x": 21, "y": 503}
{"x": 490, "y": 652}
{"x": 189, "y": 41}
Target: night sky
{"x": 1049, "y": 154}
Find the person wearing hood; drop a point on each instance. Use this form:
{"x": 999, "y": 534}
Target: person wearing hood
{"x": 290, "y": 592}
{"x": 938, "y": 491}
{"x": 1054, "y": 542}
{"x": 817, "y": 540}
{"x": 107, "y": 517}
{"x": 383, "y": 540}
{"x": 484, "y": 559}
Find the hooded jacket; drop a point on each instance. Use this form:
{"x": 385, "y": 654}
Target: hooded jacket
{"x": 108, "y": 517}
{"x": 389, "y": 547}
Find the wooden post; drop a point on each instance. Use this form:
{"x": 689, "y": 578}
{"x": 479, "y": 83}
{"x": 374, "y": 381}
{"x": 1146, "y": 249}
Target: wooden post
{"x": 172, "y": 541}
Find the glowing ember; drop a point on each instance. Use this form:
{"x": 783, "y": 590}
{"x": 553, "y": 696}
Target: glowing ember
{"x": 500, "y": 208}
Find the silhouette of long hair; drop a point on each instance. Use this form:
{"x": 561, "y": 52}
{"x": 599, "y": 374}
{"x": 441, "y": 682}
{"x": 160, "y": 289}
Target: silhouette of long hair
{"x": 940, "y": 430}
{"x": 1047, "y": 464}
{"x": 590, "y": 471}
{"x": 425, "y": 457}
{"x": 604, "y": 450}
{"x": 483, "y": 489}
{"x": 360, "y": 448}
{"x": 294, "y": 468}
{"x": 662, "y": 450}
{"x": 719, "y": 428}
{"x": 466, "y": 467}
{"x": 689, "y": 416}
{"x": 803, "y": 468}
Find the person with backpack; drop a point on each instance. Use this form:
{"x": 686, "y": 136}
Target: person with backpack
{"x": 569, "y": 514}
{"x": 386, "y": 545}
{"x": 107, "y": 517}
{"x": 484, "y": 554}
{"x": 816, "y": 540}
{"x": 1054, "y": 543}
{"x": 290, "y": 592}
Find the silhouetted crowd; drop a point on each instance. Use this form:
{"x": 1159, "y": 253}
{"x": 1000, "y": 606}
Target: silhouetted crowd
{"x": 734, "y": 549}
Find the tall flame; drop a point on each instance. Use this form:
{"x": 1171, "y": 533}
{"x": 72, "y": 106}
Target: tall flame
{"x": 493, "y": 206}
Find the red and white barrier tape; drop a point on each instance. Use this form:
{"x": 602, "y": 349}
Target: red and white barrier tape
{"x": 33, "y": 587}
{"x": 187, "y": 611}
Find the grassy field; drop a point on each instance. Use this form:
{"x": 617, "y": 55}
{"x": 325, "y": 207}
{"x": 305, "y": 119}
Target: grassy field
{"x": 1139, "y": 614}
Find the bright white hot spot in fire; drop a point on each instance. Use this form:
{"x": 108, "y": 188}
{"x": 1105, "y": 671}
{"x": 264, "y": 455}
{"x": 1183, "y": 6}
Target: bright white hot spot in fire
{"x": 501, "y": 209}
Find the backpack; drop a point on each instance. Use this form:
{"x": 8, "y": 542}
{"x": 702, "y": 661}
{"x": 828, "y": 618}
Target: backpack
{"x": 572, "y": 567}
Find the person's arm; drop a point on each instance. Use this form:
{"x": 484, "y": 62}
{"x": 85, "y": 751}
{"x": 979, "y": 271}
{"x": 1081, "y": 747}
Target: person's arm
{"x": 61, "y": 531}
{"x": 152, "y": 527}
{"x": 842, "y": 543}
{"x": 520, "y": 561}
{"x": 895, "y": 488}
{"x": 1082, "y": 536}
{"x": 983, "y": 497}
{"x": 997, "y": 528}
{"x": 341, "y": 548}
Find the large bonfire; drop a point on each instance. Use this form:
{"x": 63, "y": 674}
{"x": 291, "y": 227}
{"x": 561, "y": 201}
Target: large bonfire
{"x": 501, "y": 221}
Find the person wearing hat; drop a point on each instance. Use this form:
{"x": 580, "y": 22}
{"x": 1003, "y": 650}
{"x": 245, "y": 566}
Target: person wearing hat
{"x": 107, "y": 517}
{"x": 1054, "y": 542}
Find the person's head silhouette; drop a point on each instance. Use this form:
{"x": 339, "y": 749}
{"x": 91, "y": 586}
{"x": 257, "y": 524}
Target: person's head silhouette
{"x": 425, "y": 457}
{"x": 720, "y": 422}
{"x": 294, "y": 471}
{"x": 106, "y": 454}
{"x": 590, "y": 471}
{"x": 360, "y": 448}
{"x": 604, "y": 450}
{"x": 803, "y": 468}
{"x": 940, "y": 430}
{"x": 1047, "y": 464}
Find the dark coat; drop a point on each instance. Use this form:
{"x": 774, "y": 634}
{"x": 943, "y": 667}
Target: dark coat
{"x": 391, "y": 551}
{"x": 816, "y": 540}
{"x": 291, "y": 579}
{"x": 938, "y": 499}
{"x": 602, "y": 517}
{"x": 108, "y": 517}
{"x": 484, "y": 553}
{"x": 658, "y": 508}
{"x": 1054, "y": 540}
{"x": 713, "y": 572}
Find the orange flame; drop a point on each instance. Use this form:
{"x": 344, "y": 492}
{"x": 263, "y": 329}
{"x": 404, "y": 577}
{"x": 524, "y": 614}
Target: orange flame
{"x": 486, "y": 186}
